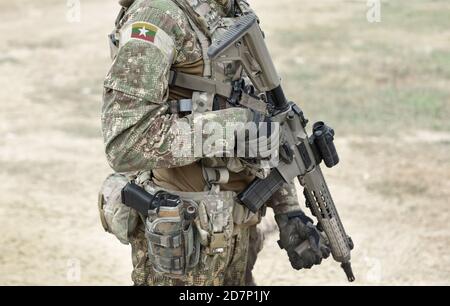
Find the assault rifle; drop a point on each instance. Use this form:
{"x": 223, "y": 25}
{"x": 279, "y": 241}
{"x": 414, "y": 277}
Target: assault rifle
{"x": 300, "y": 155}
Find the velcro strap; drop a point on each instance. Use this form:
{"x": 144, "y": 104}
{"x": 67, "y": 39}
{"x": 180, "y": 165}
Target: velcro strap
{"x": 174, "y": 263}
{"x": 216, "y": 175}
{"x": 165, "y": 240}
{"x": 198, "y": 83}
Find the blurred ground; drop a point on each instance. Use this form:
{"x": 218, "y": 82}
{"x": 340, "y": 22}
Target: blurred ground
{"x": 385, "y": 88}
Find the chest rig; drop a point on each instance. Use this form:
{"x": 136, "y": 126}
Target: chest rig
{"x": 223, "y": 84}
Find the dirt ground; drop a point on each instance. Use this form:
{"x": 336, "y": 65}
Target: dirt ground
{"x": 385, "y": 87}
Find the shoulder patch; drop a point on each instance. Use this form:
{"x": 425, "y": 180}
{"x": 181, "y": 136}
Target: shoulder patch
{"x": 149, "y": 33}
{"x": 144, "y": 30}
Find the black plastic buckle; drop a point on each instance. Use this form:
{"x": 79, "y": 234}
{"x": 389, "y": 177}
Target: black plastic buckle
{"x": 236, "y": 93}
{"x": 174, "y": 78}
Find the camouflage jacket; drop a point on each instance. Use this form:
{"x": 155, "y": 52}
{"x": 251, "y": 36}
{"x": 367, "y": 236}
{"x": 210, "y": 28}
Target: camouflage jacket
{"x": 155, "y": 36}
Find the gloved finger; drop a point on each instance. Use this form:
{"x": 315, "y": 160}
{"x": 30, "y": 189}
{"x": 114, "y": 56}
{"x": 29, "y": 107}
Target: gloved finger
{"x": 310, "y": 258}
{"x": 318, "y": 260}
{"x": 293, "y": 239}
{"x": 308, "y": 265}
{"x": 325, "y": 251}
{"x": 301, "y": 230}
{"x": 314, "y": 242}
{"x": 301, "y": 262}
{"x": 296, "y": 262}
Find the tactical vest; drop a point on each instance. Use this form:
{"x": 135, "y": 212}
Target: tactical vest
{"x": 220, "y": 84}
{"x": 215, "y": 86}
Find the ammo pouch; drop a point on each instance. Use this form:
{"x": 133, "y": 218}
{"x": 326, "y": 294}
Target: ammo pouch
{"x": 116, "y": 218}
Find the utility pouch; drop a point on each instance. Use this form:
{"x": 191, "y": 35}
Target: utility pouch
{"x": 216, "y": 219}
{"x": 116, "y": 218}
{"x": 173, "y": 245}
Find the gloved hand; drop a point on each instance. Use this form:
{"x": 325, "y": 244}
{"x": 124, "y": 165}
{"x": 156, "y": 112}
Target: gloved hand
{"x": 302, "y": 240}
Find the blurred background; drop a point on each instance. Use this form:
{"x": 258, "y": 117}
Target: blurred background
{"x": 381, "y": 78}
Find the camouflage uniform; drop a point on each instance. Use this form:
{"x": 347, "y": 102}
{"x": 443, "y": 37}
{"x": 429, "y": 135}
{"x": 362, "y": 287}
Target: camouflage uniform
{"x": 155, "y": 36}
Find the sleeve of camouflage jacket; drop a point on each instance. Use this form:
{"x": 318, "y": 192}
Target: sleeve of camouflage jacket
{"x": 138, "y": 133}
{"x": 284, "y": 200}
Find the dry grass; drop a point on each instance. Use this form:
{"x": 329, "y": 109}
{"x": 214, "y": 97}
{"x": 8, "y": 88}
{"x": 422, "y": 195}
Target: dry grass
{"x": 384, "y": 87}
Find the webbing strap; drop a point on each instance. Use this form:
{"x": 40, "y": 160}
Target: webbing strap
{"x": 180, "y": 106}
{"x": 165, "y": 240}
{"x": 174, "y": 263}
{"x": 216, "y": 175}
{"x": 253, "y": 103}
{"x": 204, "y": 43}
{"x": 198, "y": 83}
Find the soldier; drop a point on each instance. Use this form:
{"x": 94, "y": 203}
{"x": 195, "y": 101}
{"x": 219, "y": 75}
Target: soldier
{"x": 153, "y": 91}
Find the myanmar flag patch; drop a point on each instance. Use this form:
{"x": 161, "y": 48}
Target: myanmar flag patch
{"x": 141, "y": 31}
{"x": 144, "y": 31}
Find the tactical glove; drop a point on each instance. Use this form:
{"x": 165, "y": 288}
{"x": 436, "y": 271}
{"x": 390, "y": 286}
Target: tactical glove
{"x": 303, "y": 242}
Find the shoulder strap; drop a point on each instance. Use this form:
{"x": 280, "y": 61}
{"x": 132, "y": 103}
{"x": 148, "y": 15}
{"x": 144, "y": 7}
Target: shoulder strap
{"x": 198, "y": 83}
{"x": 204, "y": 43}
{"x": 194, "y": 16}
{"x": 202, "y": 33}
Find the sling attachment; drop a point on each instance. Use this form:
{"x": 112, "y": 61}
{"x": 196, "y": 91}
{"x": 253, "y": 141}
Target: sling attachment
{"x": 243, "y": 95}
